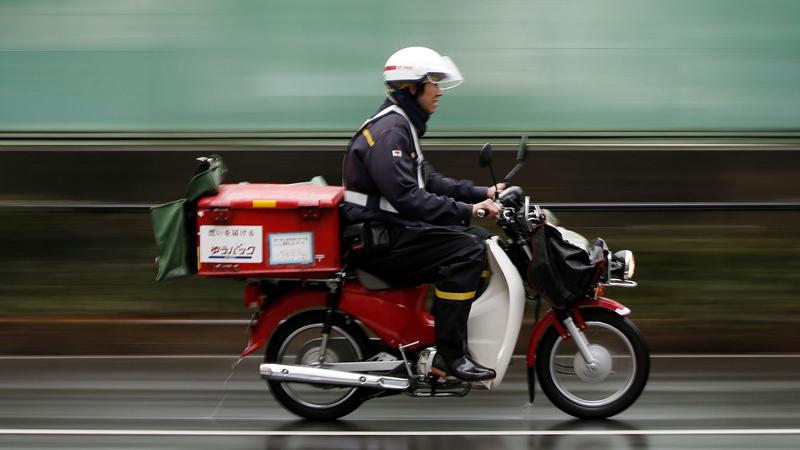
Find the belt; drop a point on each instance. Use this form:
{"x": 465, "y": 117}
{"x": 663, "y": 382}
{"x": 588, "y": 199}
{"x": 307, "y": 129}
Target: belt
{"x": 370, "y": 201}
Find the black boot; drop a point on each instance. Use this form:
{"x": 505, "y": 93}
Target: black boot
{"x": 471, "y": 359}
{"x": 467, "y": 353}
{"x": 451, "y": 336}
{"x": 462, "y": 368}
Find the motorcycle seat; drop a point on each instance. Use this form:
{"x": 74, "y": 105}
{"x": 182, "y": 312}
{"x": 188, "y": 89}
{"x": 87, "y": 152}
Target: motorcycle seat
{"x": 371, "y": 282}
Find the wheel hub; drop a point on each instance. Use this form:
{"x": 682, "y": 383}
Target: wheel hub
{"x": 597, "y": 372}
{"x": 309, "y": 355}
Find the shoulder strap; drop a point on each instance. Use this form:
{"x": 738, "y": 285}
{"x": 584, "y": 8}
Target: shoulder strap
{"x": 377, "y": 116}
{"x": 415, "y": 138}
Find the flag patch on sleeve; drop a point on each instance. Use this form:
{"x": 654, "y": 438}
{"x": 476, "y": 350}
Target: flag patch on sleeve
{"x": 397, "y": 153}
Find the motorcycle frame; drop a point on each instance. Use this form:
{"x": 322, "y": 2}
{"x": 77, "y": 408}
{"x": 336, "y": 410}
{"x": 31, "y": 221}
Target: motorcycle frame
{"x": 399, "y": 317}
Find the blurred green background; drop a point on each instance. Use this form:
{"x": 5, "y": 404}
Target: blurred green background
{"x": 316, "y": 65}
{"x": 635, "y": 101}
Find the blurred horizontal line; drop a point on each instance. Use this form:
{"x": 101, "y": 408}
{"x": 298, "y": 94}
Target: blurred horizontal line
{"x": 83, "y": 207}
{"x": 723, "y": 355}
{"x": 129, "y": 321}
{"x": 288, "y": 135}
{"x": 155, "y": 50}
{"x": 81, "y": 50}
{"x": 233, "y": 356}
{"x": 636, "y": 48}
{"x": 88, "y": 207}
{"x": 628, "y": 432}
{"x": 38, "y": 321}
{"x": 462, "y": 144}
{"x": 468, "y": 145}
{"x": 675, "y": 206}
{"x": 134, "y": 356}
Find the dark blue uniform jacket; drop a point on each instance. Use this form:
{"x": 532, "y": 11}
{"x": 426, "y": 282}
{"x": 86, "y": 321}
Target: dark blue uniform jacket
{"x": 388, "y": 168}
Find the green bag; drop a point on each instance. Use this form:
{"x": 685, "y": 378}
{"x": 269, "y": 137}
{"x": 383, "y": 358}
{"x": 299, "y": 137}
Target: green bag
{"x": 169, "y": 227}
{"x": 174, "y": 223}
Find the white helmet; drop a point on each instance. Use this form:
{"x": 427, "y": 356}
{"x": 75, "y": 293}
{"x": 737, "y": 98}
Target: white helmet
{"x": 413, "y": 64}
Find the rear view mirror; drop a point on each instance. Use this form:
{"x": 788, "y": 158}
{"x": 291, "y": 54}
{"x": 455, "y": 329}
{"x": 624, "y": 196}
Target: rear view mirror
{"x": 522, "y": 153}
{"x": 485, "y": 158}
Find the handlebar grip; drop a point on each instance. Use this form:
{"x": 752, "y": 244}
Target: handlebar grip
{"x": 481, "y": 213}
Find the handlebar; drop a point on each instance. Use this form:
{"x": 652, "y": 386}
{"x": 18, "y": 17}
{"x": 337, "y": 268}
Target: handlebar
{"x": 483, "y": 212}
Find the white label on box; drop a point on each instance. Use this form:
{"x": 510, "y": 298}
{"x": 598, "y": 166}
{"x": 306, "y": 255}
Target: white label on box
{"x": 291, "y": 248}
{"x": 235, "y": 243}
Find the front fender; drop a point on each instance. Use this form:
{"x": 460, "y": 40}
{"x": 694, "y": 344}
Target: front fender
{"x": 550, "y": 319}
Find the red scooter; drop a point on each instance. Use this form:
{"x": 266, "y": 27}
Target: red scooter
{"x": 334, "y": 342}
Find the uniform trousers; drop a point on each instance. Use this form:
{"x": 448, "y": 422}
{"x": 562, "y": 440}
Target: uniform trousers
{"x": 451, "y": 257}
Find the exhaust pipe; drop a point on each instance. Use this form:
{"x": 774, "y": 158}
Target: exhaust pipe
{"x": 315, "y": 375}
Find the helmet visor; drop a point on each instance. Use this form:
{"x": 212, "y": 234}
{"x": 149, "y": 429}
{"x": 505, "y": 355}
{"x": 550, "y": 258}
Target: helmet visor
{"x": 447, "y": 76}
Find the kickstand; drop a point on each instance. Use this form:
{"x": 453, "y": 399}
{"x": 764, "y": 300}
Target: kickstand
{"x": 434, "y": 380}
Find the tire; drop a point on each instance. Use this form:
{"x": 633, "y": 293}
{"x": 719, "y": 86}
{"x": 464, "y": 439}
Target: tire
{"x": 624, "y": 365}
{"x": 297, "y": 342}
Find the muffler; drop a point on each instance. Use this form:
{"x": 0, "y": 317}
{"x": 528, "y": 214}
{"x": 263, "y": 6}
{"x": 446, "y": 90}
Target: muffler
{"x": 315, "y": 375}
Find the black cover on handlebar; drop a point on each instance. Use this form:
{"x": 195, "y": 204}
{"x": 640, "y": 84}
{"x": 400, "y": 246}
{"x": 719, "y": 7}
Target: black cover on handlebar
{"x": 561, "y": 272}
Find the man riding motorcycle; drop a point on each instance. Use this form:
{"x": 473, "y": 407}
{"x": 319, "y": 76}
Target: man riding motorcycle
{"x": 413, "y": 224}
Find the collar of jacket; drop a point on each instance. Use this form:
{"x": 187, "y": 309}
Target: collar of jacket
{"x": 404, "y": 99}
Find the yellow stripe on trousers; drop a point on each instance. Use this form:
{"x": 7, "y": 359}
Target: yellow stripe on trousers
{"x": 455, "y": 295}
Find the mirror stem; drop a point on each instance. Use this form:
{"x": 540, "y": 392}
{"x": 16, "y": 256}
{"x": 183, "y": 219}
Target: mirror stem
{"x": 494, "y": 181}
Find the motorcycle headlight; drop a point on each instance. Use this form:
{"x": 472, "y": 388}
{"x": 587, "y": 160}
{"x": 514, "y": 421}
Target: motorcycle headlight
{"x": 623, "y": 265}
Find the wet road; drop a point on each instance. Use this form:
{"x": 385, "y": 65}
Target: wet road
{"x": 199, "y": 402}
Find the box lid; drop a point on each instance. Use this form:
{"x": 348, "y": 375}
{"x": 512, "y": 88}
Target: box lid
{"x": 282, "y": 196}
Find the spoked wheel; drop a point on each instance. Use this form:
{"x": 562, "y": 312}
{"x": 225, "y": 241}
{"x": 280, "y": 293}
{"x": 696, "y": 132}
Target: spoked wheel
{"x": 623, "y": 365}
{"x": 298, "y": 342}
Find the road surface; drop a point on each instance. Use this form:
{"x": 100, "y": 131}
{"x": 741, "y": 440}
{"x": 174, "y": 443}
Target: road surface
{"x": 199, "y": 402}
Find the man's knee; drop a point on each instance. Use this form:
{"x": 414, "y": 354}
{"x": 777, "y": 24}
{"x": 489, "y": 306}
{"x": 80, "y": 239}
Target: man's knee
{"x": 466, "y": 250}
{"x": 477, "y": 248}
{"x": 479, "y": 232}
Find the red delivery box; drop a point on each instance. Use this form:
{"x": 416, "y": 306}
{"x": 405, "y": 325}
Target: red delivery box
{"x": 269, "y": 231}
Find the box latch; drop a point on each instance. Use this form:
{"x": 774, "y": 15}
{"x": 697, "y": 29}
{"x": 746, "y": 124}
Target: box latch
{"x": 309, "y": 213}
{"x": 220, "y": 216}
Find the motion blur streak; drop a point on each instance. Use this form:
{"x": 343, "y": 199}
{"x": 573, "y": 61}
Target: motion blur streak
{"x": 626, "y": 101}
{"x": 315, "y": 65}
{"x": 725, "y": 279}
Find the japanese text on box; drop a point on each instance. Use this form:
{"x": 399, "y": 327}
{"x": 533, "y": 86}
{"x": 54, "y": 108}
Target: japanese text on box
{"x": 241, "y": 244}
{"x": 291, "y": 248}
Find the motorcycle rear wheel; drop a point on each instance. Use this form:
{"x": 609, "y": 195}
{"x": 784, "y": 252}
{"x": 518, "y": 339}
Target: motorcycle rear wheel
{"x": 298, "y": 341}
{"x": 624, "y": 365}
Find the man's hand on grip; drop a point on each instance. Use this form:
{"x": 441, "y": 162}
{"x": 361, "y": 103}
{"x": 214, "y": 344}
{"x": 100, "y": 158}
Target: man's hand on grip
{"x": 486, "y": 208}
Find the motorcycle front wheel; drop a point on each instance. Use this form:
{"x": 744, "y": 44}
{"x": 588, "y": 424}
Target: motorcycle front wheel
{"x": 298, "y": 342}
{"x": 623, "y": 365}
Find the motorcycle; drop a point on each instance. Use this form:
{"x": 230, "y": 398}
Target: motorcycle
{"x": 334, "y": 343}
